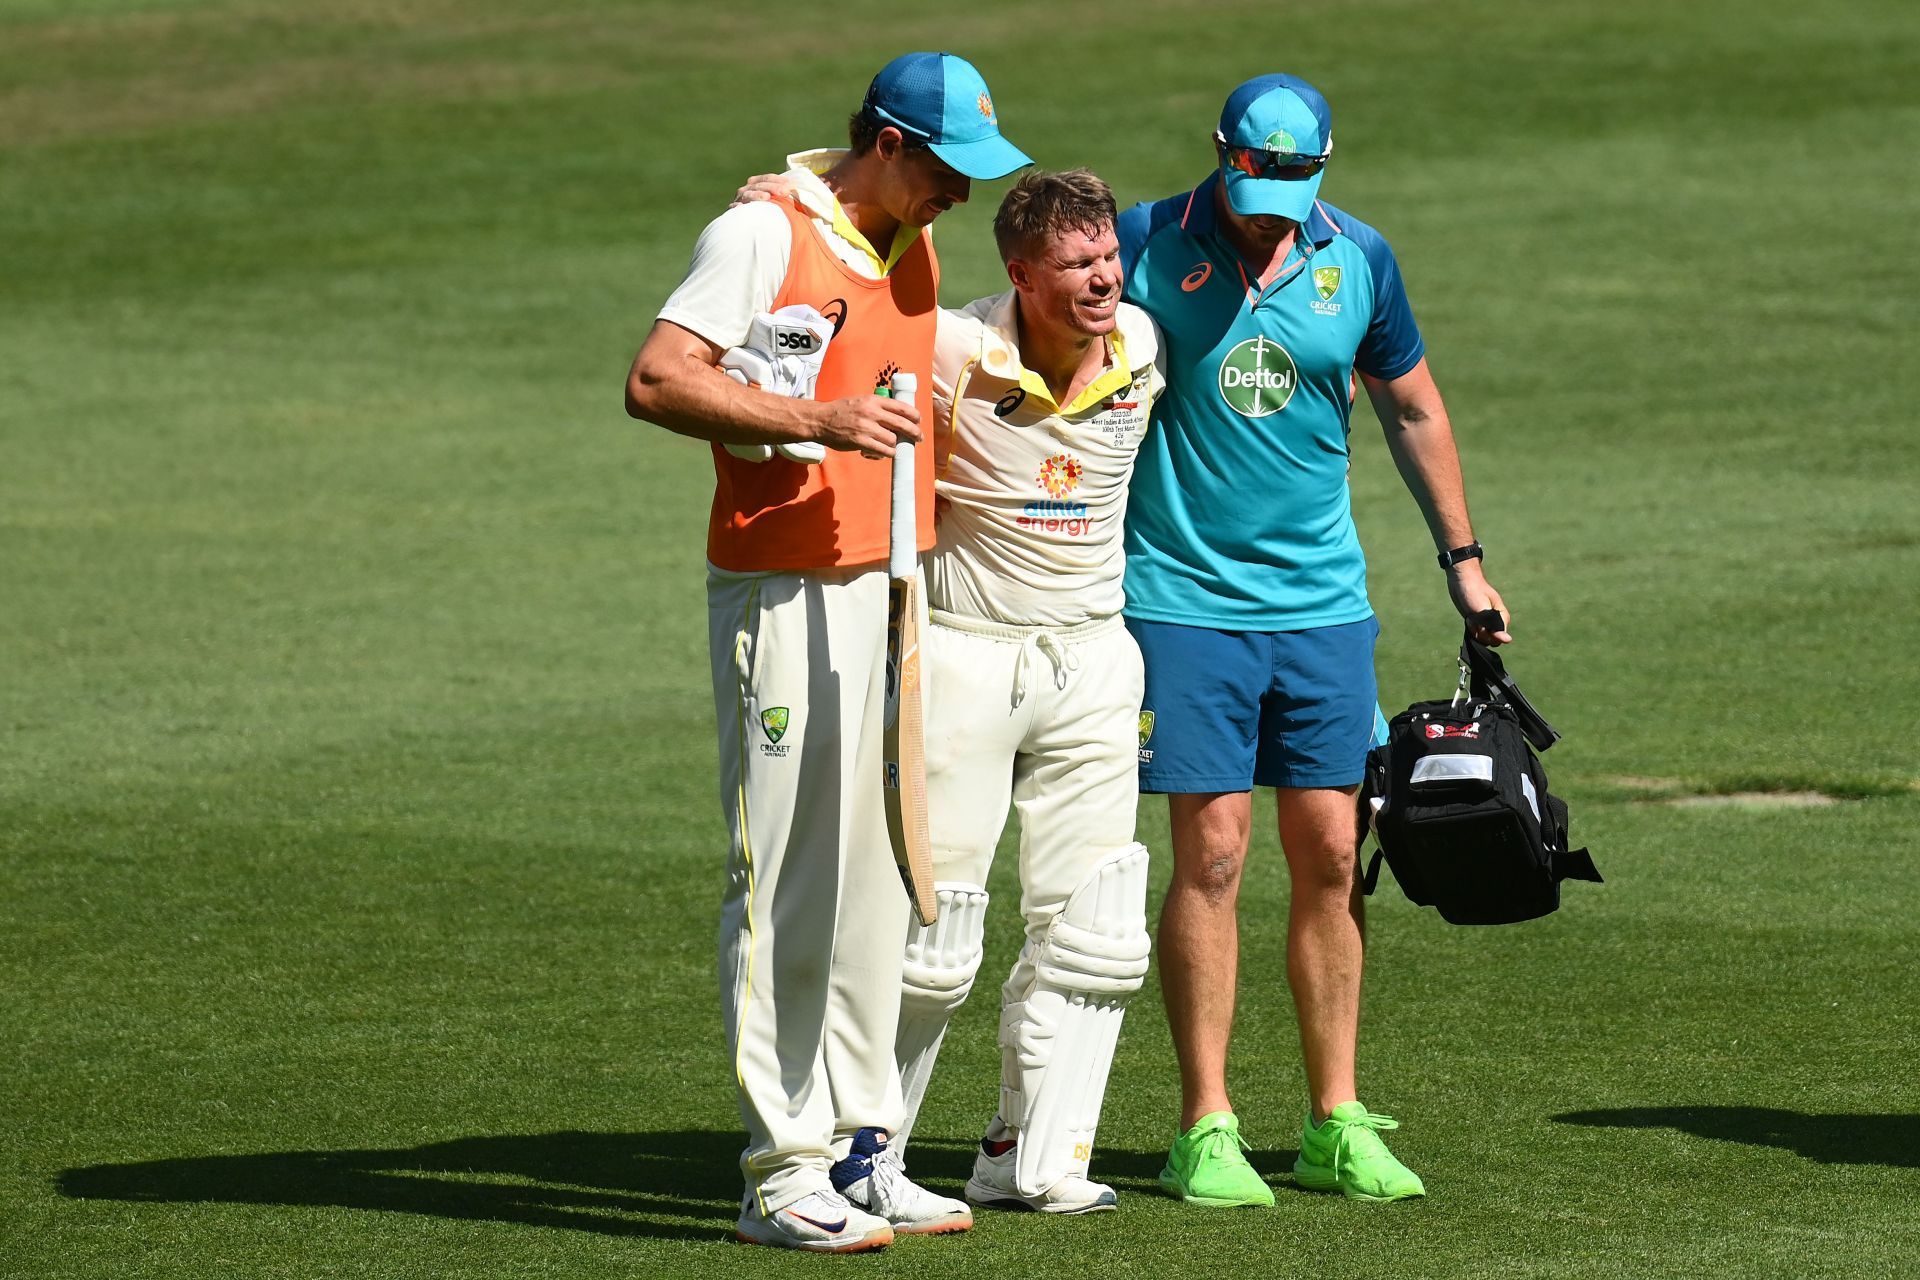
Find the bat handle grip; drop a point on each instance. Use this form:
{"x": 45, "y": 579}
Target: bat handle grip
{"x": 903, "y": 549}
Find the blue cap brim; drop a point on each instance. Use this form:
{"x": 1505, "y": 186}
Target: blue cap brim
{"x": 983, "y": 159}
{"x": 1272, "y": 197}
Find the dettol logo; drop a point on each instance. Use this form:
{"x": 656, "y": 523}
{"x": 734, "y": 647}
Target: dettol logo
{"x": 1257, "y": 378}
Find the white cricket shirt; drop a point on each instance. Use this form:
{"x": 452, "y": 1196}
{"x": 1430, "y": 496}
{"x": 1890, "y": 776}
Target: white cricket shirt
{"x": 1033, "y": 495}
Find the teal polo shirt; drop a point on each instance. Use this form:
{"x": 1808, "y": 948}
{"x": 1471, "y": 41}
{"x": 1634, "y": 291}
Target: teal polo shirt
{"x": 1239, "y": 517}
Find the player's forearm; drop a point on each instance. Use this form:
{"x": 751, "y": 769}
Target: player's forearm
{"x": 686, "y": 395}
{"x": 1429, "y": 463}
{"x": 1420, "y": 438}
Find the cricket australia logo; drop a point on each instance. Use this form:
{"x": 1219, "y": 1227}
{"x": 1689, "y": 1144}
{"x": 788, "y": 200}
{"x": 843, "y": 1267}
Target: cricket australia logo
{"x": 773, "y": 723}
{"x": 1326, "y": 283}
{"x": 1258, "y": 377}
{"x": 1146, "y": 736}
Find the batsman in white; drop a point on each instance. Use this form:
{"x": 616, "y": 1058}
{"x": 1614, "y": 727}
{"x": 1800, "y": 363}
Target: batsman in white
{"x": 1041, "y": 398}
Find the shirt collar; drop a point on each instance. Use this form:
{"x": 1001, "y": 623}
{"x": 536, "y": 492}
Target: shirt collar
{"x": 1000, "y": 358}
{"x": 814, "y": 196}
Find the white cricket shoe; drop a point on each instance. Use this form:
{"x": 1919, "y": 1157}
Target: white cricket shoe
{"x": 874, "y": 1178}
{"x": 992, "y": 1186}
{"x": 818, "y": 1222}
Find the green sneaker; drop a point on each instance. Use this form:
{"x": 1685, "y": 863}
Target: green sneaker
{"x": 1206, "y": 1167}
{"x": 1346, "y": 1155}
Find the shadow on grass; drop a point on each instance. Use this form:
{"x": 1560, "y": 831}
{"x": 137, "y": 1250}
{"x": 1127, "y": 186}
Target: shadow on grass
{"x": 617, "y": 1184}
{"x": 1830, "y": 1139}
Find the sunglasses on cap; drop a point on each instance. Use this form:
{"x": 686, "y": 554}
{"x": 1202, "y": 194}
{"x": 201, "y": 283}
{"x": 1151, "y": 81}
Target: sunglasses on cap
{"x": 1258, "y": 162}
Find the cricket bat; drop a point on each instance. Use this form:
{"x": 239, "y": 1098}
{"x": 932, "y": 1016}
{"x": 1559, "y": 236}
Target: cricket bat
{"x": 905, "y": 747}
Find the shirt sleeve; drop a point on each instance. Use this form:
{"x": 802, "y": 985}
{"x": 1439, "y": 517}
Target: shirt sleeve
{"x": 1392, "y": 345}
{"x": 739, "y": 264}
{"x": 1158, "y": 383}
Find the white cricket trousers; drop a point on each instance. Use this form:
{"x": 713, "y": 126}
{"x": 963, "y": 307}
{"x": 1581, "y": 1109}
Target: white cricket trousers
{"x": 1046, "y": 719}
{"x": 814, "y": 920}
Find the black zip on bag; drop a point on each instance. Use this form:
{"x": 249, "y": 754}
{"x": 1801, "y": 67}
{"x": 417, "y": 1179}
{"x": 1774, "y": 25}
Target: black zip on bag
{"x": 1459, "y": 802}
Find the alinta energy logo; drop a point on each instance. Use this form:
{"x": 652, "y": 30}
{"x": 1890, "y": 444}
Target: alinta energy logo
{"x": 1258, "y": 377}
{"x": 1059, "y": 476}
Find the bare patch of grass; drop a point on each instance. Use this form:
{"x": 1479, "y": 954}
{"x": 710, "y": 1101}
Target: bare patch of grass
{"x": 1747, "y": 792}
{"x": 1754, "y": 800}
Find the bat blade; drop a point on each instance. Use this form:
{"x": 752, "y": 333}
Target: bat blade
{"x": 905, "y": 750}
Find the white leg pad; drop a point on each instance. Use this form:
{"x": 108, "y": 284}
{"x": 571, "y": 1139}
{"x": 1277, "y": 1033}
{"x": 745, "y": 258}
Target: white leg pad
{"x": 1061, "y": 1019}
{"x": 941, "y": 961}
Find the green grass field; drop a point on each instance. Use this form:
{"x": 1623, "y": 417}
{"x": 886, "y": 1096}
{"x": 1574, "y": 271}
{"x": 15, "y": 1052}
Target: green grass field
{"x": 359, "y": 856}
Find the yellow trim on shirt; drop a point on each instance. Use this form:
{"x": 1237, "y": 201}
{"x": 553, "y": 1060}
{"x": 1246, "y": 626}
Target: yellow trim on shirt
{"x": 943, "y": 442}
{"x": 1116, "y": 377}
{"x": 805, "y": 168}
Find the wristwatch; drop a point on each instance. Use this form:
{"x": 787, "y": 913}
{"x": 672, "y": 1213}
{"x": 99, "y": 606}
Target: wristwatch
{"x": 1472, "y": 551}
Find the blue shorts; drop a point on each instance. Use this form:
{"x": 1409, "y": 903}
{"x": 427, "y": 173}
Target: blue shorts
{"x": 1229, "y": 710}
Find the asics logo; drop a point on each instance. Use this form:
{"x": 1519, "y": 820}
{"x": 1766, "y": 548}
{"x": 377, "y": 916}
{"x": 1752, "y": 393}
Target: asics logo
{"x": 1201, "y": 273}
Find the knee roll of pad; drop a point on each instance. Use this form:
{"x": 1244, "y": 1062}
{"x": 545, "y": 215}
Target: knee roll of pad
{"x": 942, "y": 958}
{"x": 1098, "y": 943}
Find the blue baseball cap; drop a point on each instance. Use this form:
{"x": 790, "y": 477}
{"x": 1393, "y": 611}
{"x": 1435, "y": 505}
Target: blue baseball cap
{"x": 941, "y": 99}
{"x": 1282, "y": 114}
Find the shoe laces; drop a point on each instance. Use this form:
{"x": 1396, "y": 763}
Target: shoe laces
{"x": 1358, "y": 1139}
{"x": 890, "y": 1182}
{"x": 1219, "y": 1142}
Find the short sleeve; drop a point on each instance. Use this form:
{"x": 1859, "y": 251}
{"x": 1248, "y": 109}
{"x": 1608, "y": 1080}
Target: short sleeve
{"x": 739, "y": 264}
{"x": 1392, "y": 345}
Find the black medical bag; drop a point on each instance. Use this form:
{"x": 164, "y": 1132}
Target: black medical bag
{"x": 1459, "y": 802}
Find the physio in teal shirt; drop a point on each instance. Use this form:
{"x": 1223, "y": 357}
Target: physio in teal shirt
{"x": 1239, "y": 516}
{"x": 1247, "y": 592}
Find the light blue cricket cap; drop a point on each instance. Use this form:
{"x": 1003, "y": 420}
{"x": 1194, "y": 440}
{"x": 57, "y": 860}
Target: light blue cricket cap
{"x": 1278, "y": 113}
{"x": 939, "y": 97}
